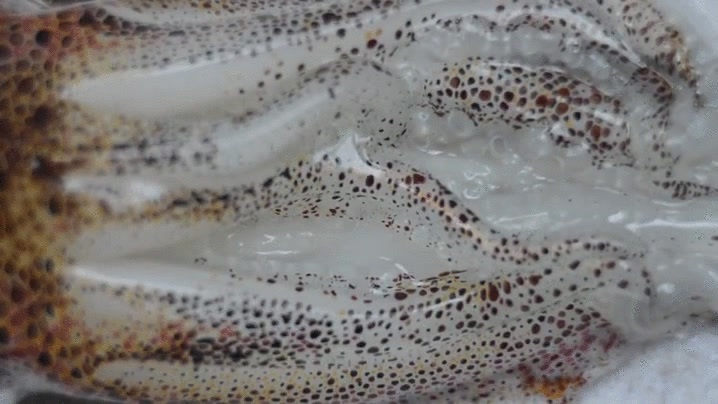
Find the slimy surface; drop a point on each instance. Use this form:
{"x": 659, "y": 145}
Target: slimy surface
{"x": 350, "y": 201}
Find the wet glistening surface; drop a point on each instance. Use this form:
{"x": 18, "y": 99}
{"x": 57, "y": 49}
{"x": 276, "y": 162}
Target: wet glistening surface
{"x": 350, "y": 201}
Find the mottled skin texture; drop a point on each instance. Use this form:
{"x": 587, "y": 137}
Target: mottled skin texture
{"x": 463, "y": 334}
{"x": 574, "y": 113}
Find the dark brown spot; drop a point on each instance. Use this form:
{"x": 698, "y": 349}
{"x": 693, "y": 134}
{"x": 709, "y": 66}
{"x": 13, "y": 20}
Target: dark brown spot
{"x": 542, "y": 101}
{"x": 329, "y": 17}
{"x": 25, "y": 86}
{"x": 534, "y": 279}
{"x": 44, "y": 359}
{"x": 596, "y": 132}
{"x": 5, "y": 53}
{"x": 493, "y": 292}
{"x": 42, "y": 117}
{"x": 42, "y": 37}
{"x": 561, "y": 108}
{"x": 17, "y": 293}
{"x": 564, "y": 92}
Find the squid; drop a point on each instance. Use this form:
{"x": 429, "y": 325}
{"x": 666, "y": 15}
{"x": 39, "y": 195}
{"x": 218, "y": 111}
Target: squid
{"x": 317, "y": 117}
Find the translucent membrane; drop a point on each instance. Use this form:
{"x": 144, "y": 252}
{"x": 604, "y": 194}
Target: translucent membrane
{"x": 350, "y": 200}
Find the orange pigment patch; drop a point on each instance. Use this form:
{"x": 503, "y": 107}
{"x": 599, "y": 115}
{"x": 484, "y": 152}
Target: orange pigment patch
{"x": 227, "y": 333}
{"x": 555, "y": 389}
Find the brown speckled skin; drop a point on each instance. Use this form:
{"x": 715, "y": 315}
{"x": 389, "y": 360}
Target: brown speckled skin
{"x": 39, "y": 219}
{"x": 43, "y": 137}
